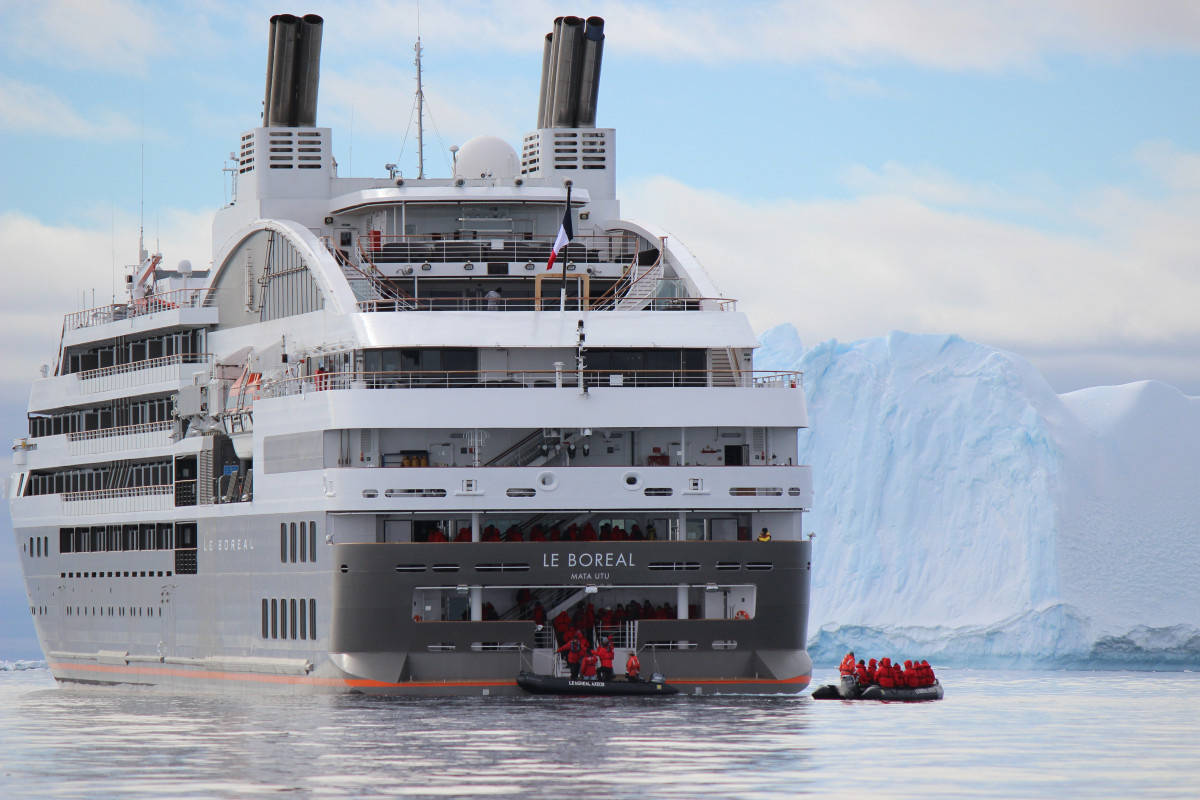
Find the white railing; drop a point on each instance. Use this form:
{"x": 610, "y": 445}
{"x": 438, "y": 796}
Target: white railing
{"x": 153, "y": 304}
{"x": 111, "y": 501}
{"x": 528, "y": 379}
{"x": 118, "y": 439}
{"x": 139, "y": 373}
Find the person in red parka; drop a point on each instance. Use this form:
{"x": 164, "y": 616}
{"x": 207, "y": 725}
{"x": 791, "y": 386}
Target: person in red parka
{"x": 860, "y": 674}
{"x": 574, "y": 650}
{"x": 633, "y": 667}
{"x": 587, "y": 667}
{"x": 847, "y": 665}
{"x": 883, "y": 676}
{"x": 872, "y": 671}
{"x": 929, "y": 676}
{"x": 605, "y": 654}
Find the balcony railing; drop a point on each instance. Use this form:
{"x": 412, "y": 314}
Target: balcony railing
{"x": 502, "y": 246}
{"x": 167, "y": 301}
{"x": 531, "y": 379}
{"x": 105, "y": 501}
{"x": 533, "y": 304}
{"x": 137, "y": 373}
{"x": 105, "y": 440}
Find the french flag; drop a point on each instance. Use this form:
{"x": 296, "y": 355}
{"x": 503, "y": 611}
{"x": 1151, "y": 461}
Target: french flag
{"x": 565, "y": 234}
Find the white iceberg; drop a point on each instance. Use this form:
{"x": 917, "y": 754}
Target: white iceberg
{"x": 965, "y": 512}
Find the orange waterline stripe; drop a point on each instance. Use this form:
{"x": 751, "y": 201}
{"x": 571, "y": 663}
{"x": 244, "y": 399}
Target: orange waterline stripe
{"x": 252, "y": 677}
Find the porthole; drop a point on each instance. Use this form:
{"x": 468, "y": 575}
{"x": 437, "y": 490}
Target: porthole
{"x": 547, "y": 481}
{"x": 632, "y": 481}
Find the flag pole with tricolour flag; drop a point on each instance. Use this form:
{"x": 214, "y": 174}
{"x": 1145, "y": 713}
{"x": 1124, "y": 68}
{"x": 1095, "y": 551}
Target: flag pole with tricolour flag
{"x": 566, "y": 232}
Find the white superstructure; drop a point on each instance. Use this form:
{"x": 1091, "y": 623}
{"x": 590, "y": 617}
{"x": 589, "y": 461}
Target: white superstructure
{"x": 387, "y": 362}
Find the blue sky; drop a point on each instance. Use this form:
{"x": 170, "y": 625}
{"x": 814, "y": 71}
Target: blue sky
{"x": 1025, "y": 174}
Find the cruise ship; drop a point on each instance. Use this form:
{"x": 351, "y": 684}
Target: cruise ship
{"x": 404, "y": 432}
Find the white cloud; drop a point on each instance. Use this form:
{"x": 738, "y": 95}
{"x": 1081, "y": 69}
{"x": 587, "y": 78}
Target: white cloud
{"x": 116, "y": 35}
{"x": 890, "y": 260}
{"x": 947, "y": 34}
{"x": 51, "y": 270}
{"x": 26, "y": 108}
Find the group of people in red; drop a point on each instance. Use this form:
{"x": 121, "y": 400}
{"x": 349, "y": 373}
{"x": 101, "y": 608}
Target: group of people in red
{"x": 572, "y": 533}
{"x": 888, "y": 675}
{"x": 595, "y": 663}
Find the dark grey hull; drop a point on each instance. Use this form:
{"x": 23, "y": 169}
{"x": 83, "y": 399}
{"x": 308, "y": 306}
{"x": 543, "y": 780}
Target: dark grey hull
{"x": 547, "y": 684}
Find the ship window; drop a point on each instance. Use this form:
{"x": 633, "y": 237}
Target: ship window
{"x": 445, "y": 567}
{"x": 292, "y": 543}
{"x": 312, "y": 618}
{"x": 760, "y": 566}
{"x": 283, "y": 619}
{"x": 283, "y": 542}
{"x": 274, "y": 618}
{"x": 312, "y": 540}
{"x": 303, "y": 542}
{"x": 293, "y": 628}
{"x": 303, "y": 622}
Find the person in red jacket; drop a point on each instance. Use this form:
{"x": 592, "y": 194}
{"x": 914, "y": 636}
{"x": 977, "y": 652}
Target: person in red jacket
{"x": 587, "y": 667}
{"x": 574, "y": 650}
{"x": 847, "y": 665}
{"x": 930, "y": 678}
{"x": 633, "y": 667}
{"x": 872, "y": 671}
{"x": 883, "y": 676}
{"x": 605, "y": 654}
{"x": 860, "y": 674}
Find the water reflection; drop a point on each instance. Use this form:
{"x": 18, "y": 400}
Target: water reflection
{"x": 999, "y": 734}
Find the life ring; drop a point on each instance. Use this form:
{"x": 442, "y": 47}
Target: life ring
{"x": 741, "y": 615}
{"x": 416, "y": 617}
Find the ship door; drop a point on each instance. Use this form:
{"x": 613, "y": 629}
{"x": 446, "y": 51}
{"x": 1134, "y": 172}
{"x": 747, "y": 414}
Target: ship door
{"x": 166, "y": 610}
{"x": 735, "y": 455}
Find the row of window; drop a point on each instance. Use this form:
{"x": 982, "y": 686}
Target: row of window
{"x": 297, "y": 545}
{"x": 122, "y": 538}
{"x": 38, "y": 547}
{"x": 134, "y": 350}
{"x": 289, "y": 618}
{"x": 114, "y": 414}
{"x": 112, "y": 611}
{"x": 146, "y": 573}
{"x": 116, "y": 475}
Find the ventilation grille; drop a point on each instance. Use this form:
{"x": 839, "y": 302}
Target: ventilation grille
{"x": 294, "y": 148}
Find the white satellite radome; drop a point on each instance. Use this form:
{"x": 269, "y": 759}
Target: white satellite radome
{"x": 487, "y": 155}
{"x": 185, "y": 267}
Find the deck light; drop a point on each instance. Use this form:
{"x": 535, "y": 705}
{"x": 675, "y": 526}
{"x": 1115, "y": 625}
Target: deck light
{"x": 426, "y": 267}
{"x": 468, "y": 266}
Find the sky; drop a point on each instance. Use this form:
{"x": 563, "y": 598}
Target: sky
{"x": 1025, "y": 174}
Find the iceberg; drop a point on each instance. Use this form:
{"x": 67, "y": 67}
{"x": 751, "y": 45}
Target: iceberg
{"x": 967, "y": 513}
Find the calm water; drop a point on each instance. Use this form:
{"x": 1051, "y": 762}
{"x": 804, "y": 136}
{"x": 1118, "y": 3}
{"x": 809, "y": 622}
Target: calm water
{"x": 997, "y": 734}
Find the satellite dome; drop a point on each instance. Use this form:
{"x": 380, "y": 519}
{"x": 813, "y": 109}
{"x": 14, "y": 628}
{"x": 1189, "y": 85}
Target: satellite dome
{"x": 488, "y": 156}
{"x": 185, "y": 267}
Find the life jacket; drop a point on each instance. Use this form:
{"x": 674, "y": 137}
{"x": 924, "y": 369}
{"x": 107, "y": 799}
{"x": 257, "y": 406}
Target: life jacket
{"x": 872, "y": 670}
{"x": 847, "y": 665}
{"x": 632, "y": 665}
{"x": 605, "y": 654}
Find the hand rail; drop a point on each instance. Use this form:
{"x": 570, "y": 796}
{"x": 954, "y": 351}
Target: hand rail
{"x": 151, "y": 304}
{"x": 120, "y": 430}
{"x": 147, "y": 363}
{"x": 451, "y": 303}
{"x": 524, "y": 379}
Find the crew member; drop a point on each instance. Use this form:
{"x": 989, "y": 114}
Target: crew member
{"x": 847, "y": 665}
{"x": 633, "y": 667}
{"x": 860, "y": 674}
{"x": 574, "y": 650}
{"x": 764, "y": 535}
{"x": 605, "y": 654}
{"x": 587, "y": 667}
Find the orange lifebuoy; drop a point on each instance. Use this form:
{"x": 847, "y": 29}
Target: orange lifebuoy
{"x": 741, "y": 615}
{"x": 416, "y": 617}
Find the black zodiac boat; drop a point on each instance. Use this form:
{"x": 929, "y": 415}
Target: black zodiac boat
{"x": 548, "y": 684}
{"x": 849, "y": 689}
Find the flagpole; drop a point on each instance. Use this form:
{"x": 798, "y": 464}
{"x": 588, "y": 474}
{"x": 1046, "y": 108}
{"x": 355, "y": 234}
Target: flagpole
{"x": 563, "y": 293}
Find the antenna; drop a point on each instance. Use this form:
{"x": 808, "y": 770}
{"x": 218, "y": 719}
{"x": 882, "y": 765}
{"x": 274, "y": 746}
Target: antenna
{"x": 420, "y": 103}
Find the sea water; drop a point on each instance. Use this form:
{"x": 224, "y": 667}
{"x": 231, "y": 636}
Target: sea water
{"x": 996, "y": 734}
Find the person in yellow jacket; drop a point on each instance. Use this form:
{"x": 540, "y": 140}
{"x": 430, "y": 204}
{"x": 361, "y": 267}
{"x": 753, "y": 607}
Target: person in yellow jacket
{"x": 765, "y": 536}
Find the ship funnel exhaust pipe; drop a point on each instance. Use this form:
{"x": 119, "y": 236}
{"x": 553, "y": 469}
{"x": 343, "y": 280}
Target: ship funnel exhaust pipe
{"x": 589, "y": 81}
{"x": 571, "y": 58}
{"x": 568, "y": 67}
{"x": 293, "y": 70}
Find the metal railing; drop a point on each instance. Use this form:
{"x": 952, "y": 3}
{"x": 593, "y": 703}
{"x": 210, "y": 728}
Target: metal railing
{"x": 152, "y": 304}
{"x": 532, "y": 304}
{"x": 112, "y": 494}
{"x": 120, "y": 430}
{"x": 501, "y": 246}
{"x": 144, "y": 364}
{"x": 528, "y": 379}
